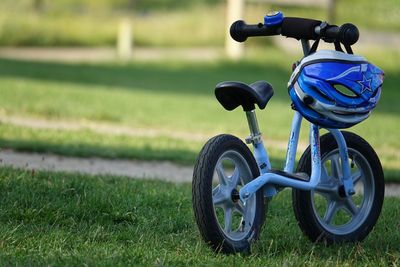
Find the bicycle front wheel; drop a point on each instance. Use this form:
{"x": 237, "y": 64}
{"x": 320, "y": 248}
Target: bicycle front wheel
{"x": 223, "y": 166}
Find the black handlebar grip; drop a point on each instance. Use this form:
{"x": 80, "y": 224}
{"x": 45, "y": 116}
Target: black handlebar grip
{"x": 240, "y": 30}
{"x": 300, "y": 28}
{"x": 348, "y": 34}
{"x": 236, "y": 31}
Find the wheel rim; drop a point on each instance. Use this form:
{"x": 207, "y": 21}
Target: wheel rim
{"x": 341, "y": 215}
{"x": 234, "y": 219}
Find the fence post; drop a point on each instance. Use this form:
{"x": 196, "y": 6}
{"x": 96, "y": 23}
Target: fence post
{"x": 233, "y": 49}
{"x": 38, "y": 5}
{"x": 331, "y": 11}
{"x": 125, "y": 39}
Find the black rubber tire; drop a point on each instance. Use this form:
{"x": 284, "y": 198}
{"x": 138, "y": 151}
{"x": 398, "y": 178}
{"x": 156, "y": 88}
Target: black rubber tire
{"x": 301, "y": 200}
{"x": 202, "y": 195}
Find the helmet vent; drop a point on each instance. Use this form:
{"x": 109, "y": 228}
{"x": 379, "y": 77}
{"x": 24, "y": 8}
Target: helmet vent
{"x": 308, "y": 100}
{"x": 344, "y": 90}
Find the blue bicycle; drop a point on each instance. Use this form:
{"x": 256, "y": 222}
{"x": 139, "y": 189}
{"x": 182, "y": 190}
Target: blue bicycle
{"x": 338, "y": 186}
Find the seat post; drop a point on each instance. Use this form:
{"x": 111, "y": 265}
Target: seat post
{"x": 255, "y": 135}
{"x": 260, "y": 153}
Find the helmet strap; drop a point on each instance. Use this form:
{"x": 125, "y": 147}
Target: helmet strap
{"x": 314, "y": 47}
{"x": 338, "y": 47}
{"x": 348, "y": 49}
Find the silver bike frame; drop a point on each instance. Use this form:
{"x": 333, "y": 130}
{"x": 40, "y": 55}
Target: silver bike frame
{"x": 271, "y": 181}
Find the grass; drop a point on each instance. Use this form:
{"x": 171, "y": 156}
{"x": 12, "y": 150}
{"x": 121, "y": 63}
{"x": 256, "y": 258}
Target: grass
{"x": 67, "y": 219}
{"x": 95, "y": 23}
{"x": 178, "y": 104}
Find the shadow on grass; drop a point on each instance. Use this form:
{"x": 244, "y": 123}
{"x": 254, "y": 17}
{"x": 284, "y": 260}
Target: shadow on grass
{"x": 174, "y": 77}
{"x": 84, "y": 150}
{"x": 186, "y": 78}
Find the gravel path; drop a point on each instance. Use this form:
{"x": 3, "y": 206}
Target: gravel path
{"x": 97, "y": 166}
{"x": 130, "y": 168}
{"x": 104, "y": 54}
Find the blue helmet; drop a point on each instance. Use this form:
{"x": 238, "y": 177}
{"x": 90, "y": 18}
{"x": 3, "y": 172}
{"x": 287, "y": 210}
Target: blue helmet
{"x": 335, "y": 90}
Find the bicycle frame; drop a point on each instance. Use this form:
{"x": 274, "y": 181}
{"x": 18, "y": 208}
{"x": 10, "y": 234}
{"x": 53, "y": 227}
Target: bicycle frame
{"x": 271, "y": 181}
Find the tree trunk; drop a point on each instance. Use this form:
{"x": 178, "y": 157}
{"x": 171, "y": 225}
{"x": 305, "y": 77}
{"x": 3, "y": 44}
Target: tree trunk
{"x": 38, "y": 5}
{"x": 332, "y": 11}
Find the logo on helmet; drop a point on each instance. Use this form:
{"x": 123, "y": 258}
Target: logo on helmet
{"x": 365, "y": 84}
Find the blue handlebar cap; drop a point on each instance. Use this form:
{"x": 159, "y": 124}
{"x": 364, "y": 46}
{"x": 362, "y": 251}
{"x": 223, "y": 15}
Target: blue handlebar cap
{"x": 273, "y": 18}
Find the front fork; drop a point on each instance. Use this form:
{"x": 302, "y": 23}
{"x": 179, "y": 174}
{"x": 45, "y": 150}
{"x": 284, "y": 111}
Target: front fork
{"x": 269, "y": 181}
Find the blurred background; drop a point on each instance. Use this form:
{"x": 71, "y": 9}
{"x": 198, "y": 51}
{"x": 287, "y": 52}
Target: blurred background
{"x": 135, "y": 78}
{"x": 174, "y": 24}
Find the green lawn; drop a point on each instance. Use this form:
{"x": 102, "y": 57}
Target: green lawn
{"x": 173, "y": 101}
{"x": 66, "y": 219}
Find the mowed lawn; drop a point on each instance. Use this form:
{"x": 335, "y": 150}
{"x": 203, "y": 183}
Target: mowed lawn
{"x": 168, "y": 107}
{"x": 66, "y": 219}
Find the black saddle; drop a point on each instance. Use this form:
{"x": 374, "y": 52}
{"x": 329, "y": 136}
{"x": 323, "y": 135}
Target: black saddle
{"x": 234, "y": 94}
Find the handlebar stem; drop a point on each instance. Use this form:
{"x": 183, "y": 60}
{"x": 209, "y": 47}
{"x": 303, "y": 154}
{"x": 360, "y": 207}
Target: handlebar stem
{"x": 306, "y": 46}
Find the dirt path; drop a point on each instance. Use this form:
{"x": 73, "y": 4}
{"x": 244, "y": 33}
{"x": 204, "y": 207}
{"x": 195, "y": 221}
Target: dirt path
{"x": 97, "y": 166}
{"x": 104, "y": 54}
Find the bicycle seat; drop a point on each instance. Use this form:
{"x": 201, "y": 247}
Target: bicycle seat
{"x": 234, "y": 94}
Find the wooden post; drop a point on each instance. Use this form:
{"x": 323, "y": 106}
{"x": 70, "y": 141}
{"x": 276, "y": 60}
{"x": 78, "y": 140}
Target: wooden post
{"x": 125, "y": 39}
{"x": 235, "y": 9}
{"x": 331, "y": 11}
{"x": 38, "y": 5}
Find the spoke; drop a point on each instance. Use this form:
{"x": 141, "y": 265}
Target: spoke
{"x": 356, "y": 176}
{"x": 239, "y": 207}
{"x": 336, "y": 170}
{"x": 324, "y": 174}
{"x": 353, "y": 160}
{"x": 216, "y": 190}
{"x": 221, "y": 174}
{"x": 242, "y": 225}
{"x": 326, "y": 186}
{"x": 228, "y": 220}
{"x": 218, "y": 197}
{"x": 324, "y": 191}
{"x": 350, "y": 207}
{"x": 330, "y": 212}
{"x": 235, "y": 177}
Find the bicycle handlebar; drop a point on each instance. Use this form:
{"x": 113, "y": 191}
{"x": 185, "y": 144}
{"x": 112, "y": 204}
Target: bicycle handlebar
{"x": 347, "y": 34}
{"x": 298, "y": 28}
{"x": 240, "y": 30}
